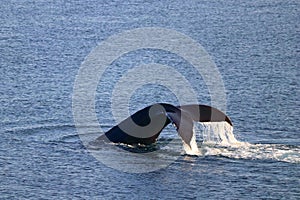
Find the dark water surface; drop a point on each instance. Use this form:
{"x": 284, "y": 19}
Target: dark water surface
{"x": 255, "y": 45}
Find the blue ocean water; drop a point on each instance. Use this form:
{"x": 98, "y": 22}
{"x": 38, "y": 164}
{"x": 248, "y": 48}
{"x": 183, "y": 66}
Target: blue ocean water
{"x": 255, "y": 45}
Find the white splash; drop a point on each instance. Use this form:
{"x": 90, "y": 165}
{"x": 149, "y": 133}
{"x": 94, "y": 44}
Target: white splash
{"x": 220, "y": 133}
{"x": 218, "y": 140}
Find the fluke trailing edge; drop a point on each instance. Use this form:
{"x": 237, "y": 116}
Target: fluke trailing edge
{"x": 144, "y": 126}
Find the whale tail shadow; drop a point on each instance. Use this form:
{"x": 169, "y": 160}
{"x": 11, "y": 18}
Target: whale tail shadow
{"x": 144, "y": 126}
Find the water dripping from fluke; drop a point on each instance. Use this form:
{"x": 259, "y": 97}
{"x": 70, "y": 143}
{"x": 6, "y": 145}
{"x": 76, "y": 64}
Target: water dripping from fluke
{"x": 218, "y": 139}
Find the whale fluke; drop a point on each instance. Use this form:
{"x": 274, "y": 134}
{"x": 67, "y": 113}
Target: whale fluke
{"x": 144, "y": 126}
{"x": 204, "y": 113}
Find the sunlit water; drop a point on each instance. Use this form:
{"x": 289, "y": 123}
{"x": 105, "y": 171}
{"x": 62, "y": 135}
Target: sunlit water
{"x": 255, "y": 45}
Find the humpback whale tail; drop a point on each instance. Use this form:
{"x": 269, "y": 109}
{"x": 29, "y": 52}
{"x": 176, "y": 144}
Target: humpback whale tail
{"x": 144, "y": 126}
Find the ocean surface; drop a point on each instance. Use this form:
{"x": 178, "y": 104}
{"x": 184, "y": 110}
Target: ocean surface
{"x": 256, "y": 48}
